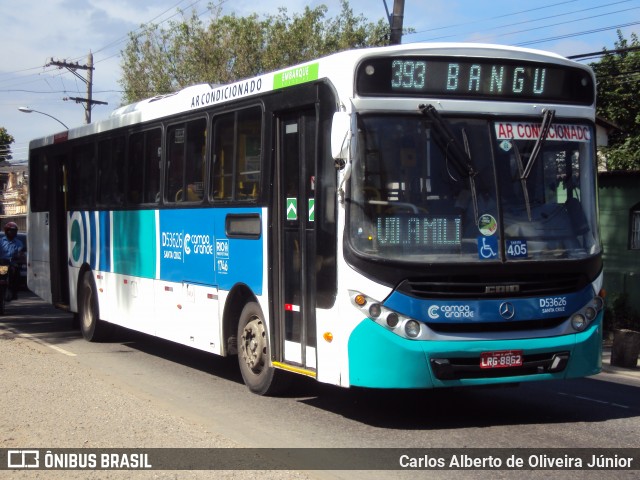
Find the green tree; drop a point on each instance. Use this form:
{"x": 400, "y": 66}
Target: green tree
{"x": 618, "y": 89}
{"x": 228, "y": 48}
{"x": 5, "y": 144}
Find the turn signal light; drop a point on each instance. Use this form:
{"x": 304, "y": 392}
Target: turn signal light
{"x": 360, "y": 300}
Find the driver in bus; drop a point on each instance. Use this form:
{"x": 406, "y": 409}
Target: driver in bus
{"x": 10, "y": 249}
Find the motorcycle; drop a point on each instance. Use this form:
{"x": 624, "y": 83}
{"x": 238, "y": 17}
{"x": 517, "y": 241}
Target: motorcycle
{"x": 5, "y": 265}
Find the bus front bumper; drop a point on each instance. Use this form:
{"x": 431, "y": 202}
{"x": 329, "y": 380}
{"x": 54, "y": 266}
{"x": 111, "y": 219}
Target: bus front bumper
{"x": 379, "y": 358}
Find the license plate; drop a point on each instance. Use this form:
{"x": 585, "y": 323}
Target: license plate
{"x": 504, "y": 359}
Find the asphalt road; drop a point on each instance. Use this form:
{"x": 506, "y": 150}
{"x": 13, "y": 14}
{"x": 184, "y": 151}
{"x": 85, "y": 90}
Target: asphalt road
{"x": 137, "y": 391}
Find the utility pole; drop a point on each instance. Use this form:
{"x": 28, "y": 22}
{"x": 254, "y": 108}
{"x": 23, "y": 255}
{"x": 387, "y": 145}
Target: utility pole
{"x": 72, "y": 67}
{"x": 395, "y": 21}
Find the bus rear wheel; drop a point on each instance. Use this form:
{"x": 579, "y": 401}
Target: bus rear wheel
{"x": 93, "y": 329}
{"x": 254, "y": 354}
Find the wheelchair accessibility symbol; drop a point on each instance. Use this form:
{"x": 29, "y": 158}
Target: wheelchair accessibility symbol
{"x": 487, "y": 248}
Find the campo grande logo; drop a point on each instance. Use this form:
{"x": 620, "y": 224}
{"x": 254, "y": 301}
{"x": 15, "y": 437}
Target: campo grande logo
{"x": 76, "y": 239}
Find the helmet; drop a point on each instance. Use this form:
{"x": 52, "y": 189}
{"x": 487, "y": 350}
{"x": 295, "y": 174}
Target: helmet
{"x": 10, "y": 226}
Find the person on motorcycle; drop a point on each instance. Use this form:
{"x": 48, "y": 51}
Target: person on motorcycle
{"x": 10, "y": 248}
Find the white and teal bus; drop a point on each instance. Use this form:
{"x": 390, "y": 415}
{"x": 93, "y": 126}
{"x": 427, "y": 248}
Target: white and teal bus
{"x": 414, "y": 216}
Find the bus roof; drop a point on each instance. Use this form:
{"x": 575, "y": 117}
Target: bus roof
{"x": 339, "y": 67}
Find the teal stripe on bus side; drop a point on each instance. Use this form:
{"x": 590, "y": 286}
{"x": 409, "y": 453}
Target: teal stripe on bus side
{"x": 105, "y": 241}
{"x": 134, "y": 243}
{"x": 94, "y": 231}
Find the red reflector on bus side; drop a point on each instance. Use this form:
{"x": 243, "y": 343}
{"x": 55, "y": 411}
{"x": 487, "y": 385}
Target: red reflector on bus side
{"x": 61, "y": 137}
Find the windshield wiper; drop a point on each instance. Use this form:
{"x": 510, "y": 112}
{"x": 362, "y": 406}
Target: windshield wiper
{"x": 461, "y": 160}
{"x": 523, "y": 180}
{"x": 547, "y": 119}
{"x": 461, "y": 157}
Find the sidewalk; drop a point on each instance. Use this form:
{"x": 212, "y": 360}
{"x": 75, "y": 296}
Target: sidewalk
{"x": 608, "y": 368}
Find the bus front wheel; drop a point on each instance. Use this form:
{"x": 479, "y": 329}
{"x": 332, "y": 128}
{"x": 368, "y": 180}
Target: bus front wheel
{"x": 93, "y": 329}
{"x": 254, "y": 353}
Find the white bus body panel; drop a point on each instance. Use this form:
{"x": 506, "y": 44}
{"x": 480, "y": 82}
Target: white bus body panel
{"x": 38, "y": 253}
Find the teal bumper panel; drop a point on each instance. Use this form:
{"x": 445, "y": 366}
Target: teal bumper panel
{"x": 379, "y": 358}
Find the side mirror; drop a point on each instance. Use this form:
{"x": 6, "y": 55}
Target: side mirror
{"x": 340, "y": 131}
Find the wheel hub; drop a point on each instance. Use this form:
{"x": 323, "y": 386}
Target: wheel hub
{"x": 254, "y": 345}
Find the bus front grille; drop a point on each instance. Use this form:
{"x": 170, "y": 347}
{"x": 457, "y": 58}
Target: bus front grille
{"x": 483, "y": 287}
{"x": 483, "y": 327}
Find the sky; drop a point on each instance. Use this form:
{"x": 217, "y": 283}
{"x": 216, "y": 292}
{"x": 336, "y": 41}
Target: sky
{"x": 33, "y": 34}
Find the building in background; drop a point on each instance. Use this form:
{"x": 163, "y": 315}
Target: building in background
{"x": 14, "y": 192}
{"x": 619, "y": 203}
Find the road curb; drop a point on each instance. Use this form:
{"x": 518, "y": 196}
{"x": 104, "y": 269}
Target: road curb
{"x": 612, "y": 369}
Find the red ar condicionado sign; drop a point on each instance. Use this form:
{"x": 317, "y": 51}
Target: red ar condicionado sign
{"x": 531, "y": 131}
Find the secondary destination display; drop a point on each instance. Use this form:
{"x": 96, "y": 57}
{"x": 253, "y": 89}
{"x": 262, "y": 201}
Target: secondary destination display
{"x": 454, "y": 77}
{"x": 415, "y": 231}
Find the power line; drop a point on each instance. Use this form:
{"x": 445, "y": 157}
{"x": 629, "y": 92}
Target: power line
{"x": 585, "y": 32}
{"x": 143, "y": 26}
{"x": 573, "y": 20}
{"x": 475, "y": 22}
{"x": 196, "y": 2}
{"x": 603, "y": 52}
{"x": 119, "y": 40}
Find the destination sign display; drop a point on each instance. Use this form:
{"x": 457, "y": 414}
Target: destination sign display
{"x": 418, "y": 231}
{"x": 457, "y": 77}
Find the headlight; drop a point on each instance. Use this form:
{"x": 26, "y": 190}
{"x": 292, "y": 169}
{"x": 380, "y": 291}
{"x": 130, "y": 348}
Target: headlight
{"x": 396, "y": 322}
{"x": 597, "y": 303}
{"x": 579, "y": 322}
{"x": 412, "y": 328}
{"x": 590, "y": 313}
{"x": 587, "y": 314}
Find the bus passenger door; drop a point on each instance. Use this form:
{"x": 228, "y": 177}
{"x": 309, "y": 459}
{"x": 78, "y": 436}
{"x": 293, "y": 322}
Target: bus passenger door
{"x": 47, "y": 233}
{"x": 294, "y": 264}
{"x": 58, "y": 232}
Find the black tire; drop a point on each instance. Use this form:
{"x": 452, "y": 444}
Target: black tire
{"x": 93, "y": 329}
{"x": 254, "y": 355}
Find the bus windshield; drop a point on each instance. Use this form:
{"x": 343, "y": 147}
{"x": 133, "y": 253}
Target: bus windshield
{"x": 431, "y": 189}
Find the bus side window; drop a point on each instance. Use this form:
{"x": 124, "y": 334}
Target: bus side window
{"x": 144, "y": 167}
{"x": 151, "y": 174}
{"x": 186, "y": 161}
{"x": 195, "y": 167}
{"x": 135, "y": 167}
{"x": 111, "y": 158}
{"x": 249, "y": 153}
{"x": 237, "y": 155}
{"x": 175, "y": 163}
{"x": 222, "y": 170}
{"x": 82, "y": 182}
{"x": 39, "y": 175}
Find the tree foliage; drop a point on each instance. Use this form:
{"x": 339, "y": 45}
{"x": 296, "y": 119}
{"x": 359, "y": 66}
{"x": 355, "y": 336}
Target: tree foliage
{"x": 5, "y": 144}
{"x": 228, "y": 48}
{"x": 618, "y": 93}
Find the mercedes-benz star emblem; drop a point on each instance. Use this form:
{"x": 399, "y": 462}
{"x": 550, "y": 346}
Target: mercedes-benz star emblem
{"x": 507, "y": 310}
